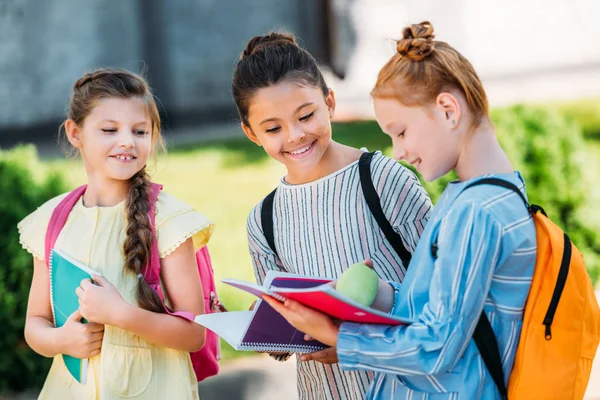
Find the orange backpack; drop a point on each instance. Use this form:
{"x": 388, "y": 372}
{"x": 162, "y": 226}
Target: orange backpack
{"x": 561, "y": 322}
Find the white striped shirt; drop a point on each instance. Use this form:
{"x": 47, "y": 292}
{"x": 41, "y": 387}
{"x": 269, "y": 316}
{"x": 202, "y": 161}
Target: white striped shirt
{"x": 322, "y": 227}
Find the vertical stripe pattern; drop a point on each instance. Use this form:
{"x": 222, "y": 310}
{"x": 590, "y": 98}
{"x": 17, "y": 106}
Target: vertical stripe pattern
{"x": 323, "y": 227}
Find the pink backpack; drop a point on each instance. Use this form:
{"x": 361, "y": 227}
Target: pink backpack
{"x": 205, "y": 361}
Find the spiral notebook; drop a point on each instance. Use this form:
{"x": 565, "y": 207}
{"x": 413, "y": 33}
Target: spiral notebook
{"x": 66, "y": 275}
{"x": 261, "y": 329}
{"x": 265, "y": 330}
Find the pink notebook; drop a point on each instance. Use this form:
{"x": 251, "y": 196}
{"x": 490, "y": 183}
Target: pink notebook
{"x": 322, "y": 297}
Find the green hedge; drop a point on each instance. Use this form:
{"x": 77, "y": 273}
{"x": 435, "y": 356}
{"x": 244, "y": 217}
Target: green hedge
{"x": 586, "y": 114}
{"x": 21, "y": 193}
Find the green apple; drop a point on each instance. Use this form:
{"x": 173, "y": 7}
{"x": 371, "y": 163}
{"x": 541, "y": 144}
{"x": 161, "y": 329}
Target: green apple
{"x": 359, "y": 282}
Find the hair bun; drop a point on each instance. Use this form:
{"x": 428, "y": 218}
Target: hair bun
{"x": 270, "y": 39}
{"x": 417, "y": 41}
{"x": 98, "y": 74}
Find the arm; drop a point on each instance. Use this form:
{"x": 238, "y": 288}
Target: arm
{"x": 458, "y": 284}
{"x": 263, "y": 258}
{"x": 74, "y": 338}
{"x": 181, "y": 282}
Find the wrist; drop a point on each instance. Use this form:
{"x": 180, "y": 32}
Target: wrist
{"x": 122, "y": 316}
{"x": 57, "y": 343}
{"x": 333, "y": 336}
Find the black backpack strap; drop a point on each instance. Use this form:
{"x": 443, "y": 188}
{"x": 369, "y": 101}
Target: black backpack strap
{"x": 494, "y": 182}
{"x": 498, "y": 182}
{"x": 266, "y": 220}
{"x": 374, "y": 203}
{"x": 486, "y": 342}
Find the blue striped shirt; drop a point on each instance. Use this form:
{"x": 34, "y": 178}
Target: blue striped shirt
{"x": 485, "y": 261}
{"x": 322, "y": 227}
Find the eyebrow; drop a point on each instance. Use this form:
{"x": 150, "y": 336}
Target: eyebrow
{"x": 391, "y": 125}
{"x": 295, "y": 111}
{"x": 117, "y": 122}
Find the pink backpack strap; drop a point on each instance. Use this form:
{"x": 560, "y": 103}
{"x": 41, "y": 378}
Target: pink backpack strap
{"x": 59, "y": 218}
{"x": 152, "y": 270}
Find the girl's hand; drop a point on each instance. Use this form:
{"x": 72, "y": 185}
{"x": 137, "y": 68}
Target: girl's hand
{"x": 100, "y": 302}
{"x": 327, "y": 356}
{"x": 80, "y": 340}
{"x": 313, "y": 323}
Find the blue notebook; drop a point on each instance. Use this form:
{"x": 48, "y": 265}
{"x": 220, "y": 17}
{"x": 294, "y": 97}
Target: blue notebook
{"x": 66, "y": 275}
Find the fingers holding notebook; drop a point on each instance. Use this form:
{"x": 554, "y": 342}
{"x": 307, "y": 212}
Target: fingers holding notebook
{"x": 80, "y": 340}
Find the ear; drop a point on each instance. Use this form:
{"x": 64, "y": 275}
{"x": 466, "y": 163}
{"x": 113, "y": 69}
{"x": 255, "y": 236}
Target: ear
{"x": 248, "y": 131}
{"x": 449, "y": 105}
{"x": 330, "y": 101}
{"x": 73, "y": 133}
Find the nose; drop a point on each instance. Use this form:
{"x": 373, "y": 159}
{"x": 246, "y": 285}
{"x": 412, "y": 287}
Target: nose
{"x": 296, "y": 134}
{"x": 399, "y": 153}
{"x": 126, "y": 140}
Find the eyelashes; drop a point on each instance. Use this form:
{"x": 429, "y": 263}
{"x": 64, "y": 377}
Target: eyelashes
{"x": 304, "y": 118}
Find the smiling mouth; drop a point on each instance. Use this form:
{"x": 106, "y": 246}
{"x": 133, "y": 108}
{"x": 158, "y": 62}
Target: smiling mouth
{"x": 301, "y": 150}
{"x": 416, "y": 162}
{"x": 124, "y": 158}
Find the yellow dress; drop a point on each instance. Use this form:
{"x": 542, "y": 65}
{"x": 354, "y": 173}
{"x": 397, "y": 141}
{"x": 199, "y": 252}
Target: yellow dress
{"x": 128, "y": 366}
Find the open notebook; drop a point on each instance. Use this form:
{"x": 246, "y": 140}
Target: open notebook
{"x": 66, "y": 275}
{"x": 262, "y": 329}
{"x": 265, "y": 330}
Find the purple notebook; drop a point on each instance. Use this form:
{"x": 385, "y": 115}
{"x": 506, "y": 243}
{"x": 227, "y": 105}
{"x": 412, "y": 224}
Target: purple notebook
{"x": 262, "y": 329}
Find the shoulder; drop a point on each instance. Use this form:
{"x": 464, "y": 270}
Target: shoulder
{"x": 32, "y": 229}
{"x": 168, "y": 206}
{"x": 177, "y": 221}
{"x": 385, "y": 169}
{"x": 254, "y": 221}
{"x": 42, "y": 214}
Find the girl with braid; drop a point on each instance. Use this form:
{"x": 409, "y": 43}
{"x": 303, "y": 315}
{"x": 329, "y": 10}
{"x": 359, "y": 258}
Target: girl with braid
{"x": 136, "y": 348}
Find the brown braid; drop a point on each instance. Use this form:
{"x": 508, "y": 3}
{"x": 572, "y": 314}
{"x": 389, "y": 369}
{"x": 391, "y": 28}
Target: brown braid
{"x": 138, "y": 243}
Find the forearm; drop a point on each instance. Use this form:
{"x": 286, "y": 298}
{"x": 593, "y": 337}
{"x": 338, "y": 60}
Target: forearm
{"x": 162, "y": 329}
{"x": 42, "y": 336}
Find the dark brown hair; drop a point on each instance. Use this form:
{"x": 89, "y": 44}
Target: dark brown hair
{"x": 117, "y": 83}
{"x": 270, "y": 59}
{"x": 422, "y": 68}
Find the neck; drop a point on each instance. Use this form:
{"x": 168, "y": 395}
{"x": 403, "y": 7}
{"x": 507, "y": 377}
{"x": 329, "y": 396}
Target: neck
{"x": 336, "y": 156}
{"x": 482, "y": 155}
{"x": 104, "y": 192}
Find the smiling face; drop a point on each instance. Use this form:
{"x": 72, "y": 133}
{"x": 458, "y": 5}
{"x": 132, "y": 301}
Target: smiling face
{"x": 292, "y": 123}
{"x": 422, "y": 136}
{"x": 115, "y": 139}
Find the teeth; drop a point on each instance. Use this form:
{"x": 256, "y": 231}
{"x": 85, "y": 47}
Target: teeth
{"x": 123, "y": 158}
{"x": 302, "y": 150}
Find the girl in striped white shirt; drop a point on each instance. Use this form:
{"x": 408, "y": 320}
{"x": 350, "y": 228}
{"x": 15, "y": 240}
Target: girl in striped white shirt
{"x": 472, "y": 269}
{"x": 321, "y": 222}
